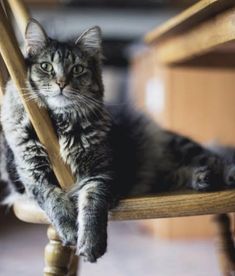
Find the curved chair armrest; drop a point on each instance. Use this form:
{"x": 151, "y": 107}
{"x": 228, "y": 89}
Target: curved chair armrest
{"x": 148, "y": 207}
{"x": 28, "y": 211}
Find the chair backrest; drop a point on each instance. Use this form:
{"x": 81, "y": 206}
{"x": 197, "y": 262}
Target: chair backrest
{"x": 3, "y": 77}
{"x": 20, "y": 12}
{"x": 38, "y": 116}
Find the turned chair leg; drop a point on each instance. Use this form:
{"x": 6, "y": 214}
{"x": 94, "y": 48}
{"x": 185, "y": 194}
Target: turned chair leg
{"x": 74, "y": 265}
{"x": 59, "y": 260}
{"x": 225, "y": 244}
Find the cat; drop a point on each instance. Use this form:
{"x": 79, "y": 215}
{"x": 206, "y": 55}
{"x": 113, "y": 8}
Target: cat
{"x": 113, "y": 153}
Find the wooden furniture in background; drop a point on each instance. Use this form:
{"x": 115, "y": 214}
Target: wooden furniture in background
{"x": 186, "y": 82}
{"x": 188, "y": 98}
{"x": 207, "y": 24}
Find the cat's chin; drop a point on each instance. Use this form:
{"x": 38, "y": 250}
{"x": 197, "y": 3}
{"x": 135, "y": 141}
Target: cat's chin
{"x": 59, "y": 101}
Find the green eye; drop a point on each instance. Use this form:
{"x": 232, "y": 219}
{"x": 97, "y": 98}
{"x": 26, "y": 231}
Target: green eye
{"x": 77, "y": 69}
{"x": 46, "y": 66}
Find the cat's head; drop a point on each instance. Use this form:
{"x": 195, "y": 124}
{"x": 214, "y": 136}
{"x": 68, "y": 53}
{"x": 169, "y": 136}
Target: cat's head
{"x": 64, "y": 75}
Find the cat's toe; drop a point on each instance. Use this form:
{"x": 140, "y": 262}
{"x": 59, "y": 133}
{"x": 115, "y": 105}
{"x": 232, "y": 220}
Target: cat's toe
{"x": 229, "y": 177}
{"x": 70, "y": 239}
{"x": 203, "y": 179}
{"x": 92, "y": 246}
{"x": 67, "y": 231}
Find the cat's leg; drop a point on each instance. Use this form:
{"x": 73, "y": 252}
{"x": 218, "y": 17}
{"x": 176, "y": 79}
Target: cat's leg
{"x": 35, "y": 172}
{"x": 40, "y": 184}
{"x": 207, "y": 177}
{"x": 93, "y": 205}
{"x": 227, "y": 154}
{"x": 203, "y": 169}
{"x": 218, "y": 173}
{"x": 34, "y": 168}
{"x": 229, "y": 174}
{"x": 218, "y": 170}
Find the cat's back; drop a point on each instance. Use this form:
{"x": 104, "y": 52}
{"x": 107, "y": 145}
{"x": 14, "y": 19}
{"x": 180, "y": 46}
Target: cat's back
{"x": 138, "y": 146}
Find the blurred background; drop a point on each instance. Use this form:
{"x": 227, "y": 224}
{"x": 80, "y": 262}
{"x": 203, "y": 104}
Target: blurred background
{"x": 123, "y": 22}
{"x": 163, "y": 247}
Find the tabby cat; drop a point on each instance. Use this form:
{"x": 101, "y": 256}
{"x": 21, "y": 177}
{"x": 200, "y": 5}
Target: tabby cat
{"x": 112, "y": 154}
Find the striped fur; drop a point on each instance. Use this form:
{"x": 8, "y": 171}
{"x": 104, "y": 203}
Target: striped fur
{"x": 112, "y": 153}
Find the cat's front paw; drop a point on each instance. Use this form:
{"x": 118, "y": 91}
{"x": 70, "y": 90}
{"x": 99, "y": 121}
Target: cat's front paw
{"x": 229, "y": 176}
{"x": 91, "y": 245}
{"x": 63, "y": 215}
{"x": 67, "y": 230}
{"x": 204, "y": 179}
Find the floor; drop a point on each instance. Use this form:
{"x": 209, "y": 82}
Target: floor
{"x": 131, "y": 251}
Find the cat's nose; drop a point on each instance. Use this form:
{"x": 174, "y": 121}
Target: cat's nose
{"x": 61, "y": 84}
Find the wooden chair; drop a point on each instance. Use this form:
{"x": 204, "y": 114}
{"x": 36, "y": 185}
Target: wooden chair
{"x": 59, "y": 259}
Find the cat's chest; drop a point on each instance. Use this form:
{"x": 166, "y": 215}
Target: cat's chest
{"x": 72, "y": 141}
{"x": 75, "y": 140}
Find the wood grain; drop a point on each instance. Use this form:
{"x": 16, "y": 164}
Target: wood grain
{"x": 57, "y": 256}
{"x": 187, "y": 19}
{"x": 38, "y": 116}
{"x": 149, "y": 207}
{"x": 199, "y": 40}
{"x": 20, "y": 13}
{"x": 3, "y": 77}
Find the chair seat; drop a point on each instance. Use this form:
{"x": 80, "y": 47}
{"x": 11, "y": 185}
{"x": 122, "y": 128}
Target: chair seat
{"x": 148, "y": 207}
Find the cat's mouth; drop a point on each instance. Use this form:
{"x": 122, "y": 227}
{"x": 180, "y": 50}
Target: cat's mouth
{"x": 61, "y": 95}
{"x": 63, "y": 98}
{"x": 59, "y": 99}
{"x": 66, "y": 92}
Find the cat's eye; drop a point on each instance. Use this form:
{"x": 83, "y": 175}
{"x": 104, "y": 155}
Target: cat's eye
{"x": 77, "y": 69}
{"x": 46, "y": 66}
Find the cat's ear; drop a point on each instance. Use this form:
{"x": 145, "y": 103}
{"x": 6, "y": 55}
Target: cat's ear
{"x": 90, "y": 40}
{"x": 35, "y": 36}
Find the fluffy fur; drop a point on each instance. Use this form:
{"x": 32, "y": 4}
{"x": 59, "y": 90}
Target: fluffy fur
{"x": 112, "y": 154}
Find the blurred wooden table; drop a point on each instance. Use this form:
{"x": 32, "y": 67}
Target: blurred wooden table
{"x": 186, "y": 81}
{"x": 207, "y": 25}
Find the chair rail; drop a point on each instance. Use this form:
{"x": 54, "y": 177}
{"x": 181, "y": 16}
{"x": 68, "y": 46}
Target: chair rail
{"x": 149, "y": 207}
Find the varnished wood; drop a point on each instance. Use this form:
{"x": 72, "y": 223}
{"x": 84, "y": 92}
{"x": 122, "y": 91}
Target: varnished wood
{"x": 74, "y": 266}
{"x": 3, "y": 77}
{"x": 20, "y": 13}
{"x": 38, "y": 116}
{"x": 187, "y": 19}
{"x": 159, "y": 206}
{"x": 178, "y": 205}
{"x": 191, "y": 41}
{"x": 28, "y": 211}
{"x": 57, "y": 257}
{"x": 225, "y": 244}
{"x": 199, "y": 40}
{"x": 195, "y": 96}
